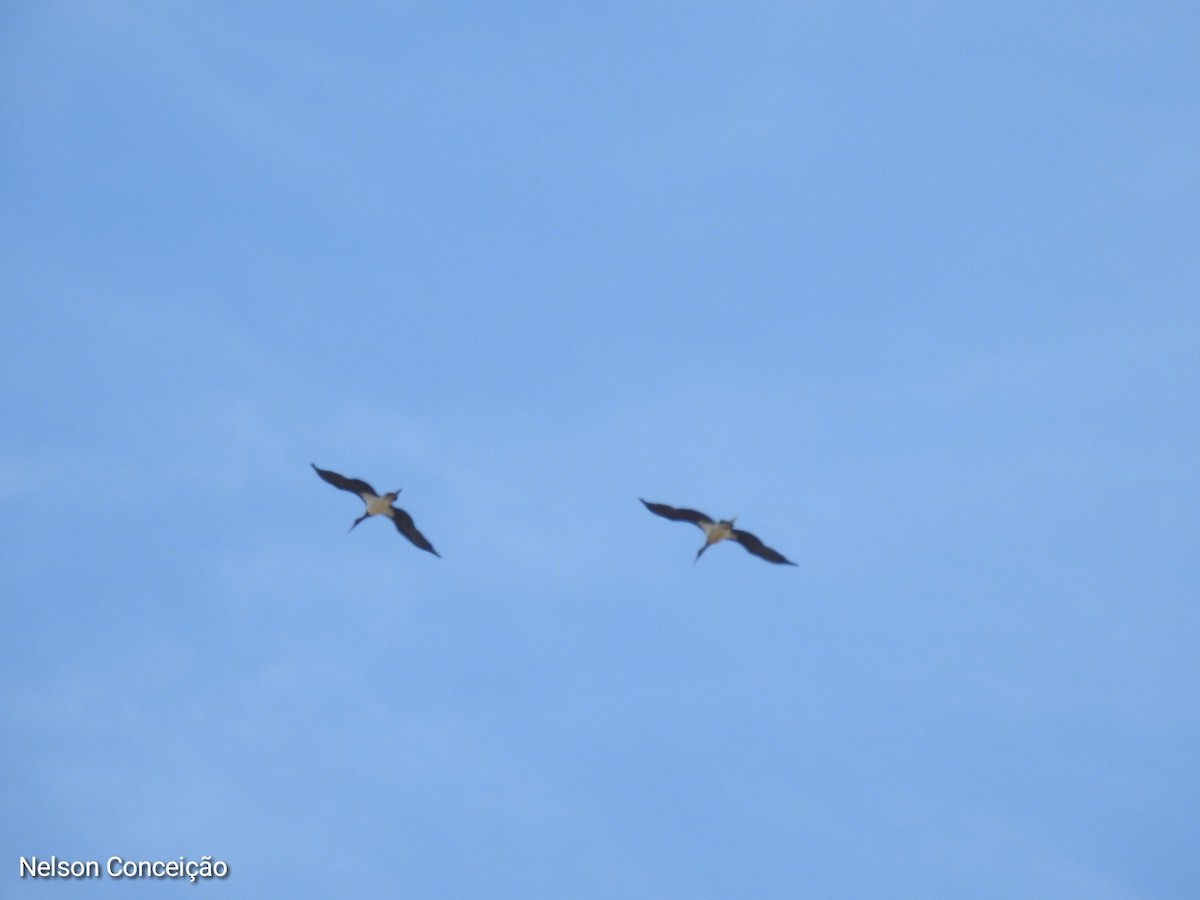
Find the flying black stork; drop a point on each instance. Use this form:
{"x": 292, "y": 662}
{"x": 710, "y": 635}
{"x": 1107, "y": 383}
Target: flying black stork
{"x": 378, "y": 505}
{"x": 715, "y": 532}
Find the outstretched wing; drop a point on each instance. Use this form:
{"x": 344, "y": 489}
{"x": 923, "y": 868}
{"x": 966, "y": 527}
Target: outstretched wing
{"x": 353, "y": 485}
{"x": 404, "y": 524}
{"x": 758, "y": 548}
{"x": 677, "y": 515}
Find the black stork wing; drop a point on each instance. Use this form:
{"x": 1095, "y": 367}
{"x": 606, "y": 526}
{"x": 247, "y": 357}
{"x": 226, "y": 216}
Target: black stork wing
{"x": 404, "y": 524}
{"x": 676, "y": 515}
{"x": 758, "y": 548}
{"x": 353, "y": 485}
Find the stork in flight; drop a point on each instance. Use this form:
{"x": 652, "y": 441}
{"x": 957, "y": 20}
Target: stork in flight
{"x": 378, "y": 505}
{"x": 718, "y": 531}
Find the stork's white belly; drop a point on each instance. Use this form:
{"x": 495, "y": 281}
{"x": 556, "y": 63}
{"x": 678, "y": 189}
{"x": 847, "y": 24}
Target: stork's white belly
{"x": 715, "y": 531}
{"x": 377, "y": 506}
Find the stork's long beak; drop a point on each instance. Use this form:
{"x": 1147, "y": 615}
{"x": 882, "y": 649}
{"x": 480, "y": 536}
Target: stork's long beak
{"x": 356, "y": 521}
{"x": 700, "y": 551}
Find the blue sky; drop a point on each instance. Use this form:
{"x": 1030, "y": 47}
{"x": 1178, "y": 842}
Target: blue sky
{"x": 909, "y": 288}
